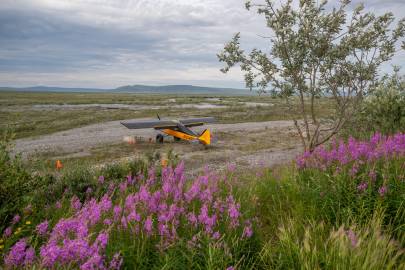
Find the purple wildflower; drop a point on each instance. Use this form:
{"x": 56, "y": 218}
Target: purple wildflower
{"x": 101, "y": 241}
{"x": 216, "y": 235}
{"x": 42, "y": 228}
{"x": 95, "y": 262}
{"x": 101, "y": 179}
{"x": 382, "y": 190}
{"x": 16, "y": 219}
{"x": 362, "y": 186}
{"x": 116, "y": 262}
{"x": 234, "y": 211}
{"x": 192, "y": 219}
{"x": 148, "y": 225}
{"x": 107, "y": 222}
{"x": 89, "y": 190}
{"x": 7, "y": 232}
{"x": 58, "y": 205}
{"x": 20, "y": 255}
{"x": 75, "y": 203}
{"x": 117, "y": 212}
{"x": 373, "y": 175}
{"x": 123, "y": 186}
{"x": 352, "y": 237}
{"x": 29, "y": 256}
{"x": 231, "y": 167}
{"x": 247, "y": 231}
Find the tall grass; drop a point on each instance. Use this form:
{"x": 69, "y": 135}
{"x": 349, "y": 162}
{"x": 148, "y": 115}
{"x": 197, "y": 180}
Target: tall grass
{"x": 341, "y": 207}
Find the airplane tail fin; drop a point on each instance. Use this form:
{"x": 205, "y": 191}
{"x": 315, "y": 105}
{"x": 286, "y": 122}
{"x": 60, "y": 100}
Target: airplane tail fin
{"x": 205, "y": 137}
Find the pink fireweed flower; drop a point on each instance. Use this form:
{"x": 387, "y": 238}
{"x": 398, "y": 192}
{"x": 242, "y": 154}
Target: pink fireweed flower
{"x": 216, "y": 235}
{"x": 233, "y": 211}
{"x": 382, "y": 190}
{"x": 107, "y": 222}
{"x": 75, "y": 203}
{"x": 29, "y": 256}
{"x": 163, "y": 230}
{"x": 7, "y": 232}
{"x": 116, "y": 262}
{"x": 373, "y": 175}
{"x": 42, "y": 228}
{"x": 352, "y": 237}
{"x": 130, "y": 180}
{"x": 144, "y": 194}
{"x": 148, "y": 225}
{"x": 219, "y": 206}
{"x": 117, "y": 212}
{"x": 259, "y": 173}
{"x": 247, "y": 231}
{"x": 231, "y": 167}
{"x": 151, "y": 177}
{"x": 105, "y": 203}
{"x": 192, "y": 192}
{"x": 58, "y": 205}
{"x": 111, "y": 188}
{"x": 20, "y": 254}
{"x": 362, "y": 186}
{"x": 354, "y": 170}
{"x": 124, "y": 222}
{"x": 101, "y": 241}
{"x": 89, "y": 190}
{"x": 230, "y": 268}
{"x": 123, "y": 186}
{"x": 191, "y": 217}
{"x": 101, "y": 179}
{"x": 95, "y": 262}
{"x": 134, "y": 216}
{"x": 354, "y": 151}
{"x": 16, "y": 219}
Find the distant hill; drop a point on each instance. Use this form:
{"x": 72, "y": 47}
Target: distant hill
{"x": 165, "y": 89}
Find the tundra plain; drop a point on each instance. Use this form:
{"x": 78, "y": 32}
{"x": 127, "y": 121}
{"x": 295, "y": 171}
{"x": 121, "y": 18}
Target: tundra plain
{"x": 85, "y": 127}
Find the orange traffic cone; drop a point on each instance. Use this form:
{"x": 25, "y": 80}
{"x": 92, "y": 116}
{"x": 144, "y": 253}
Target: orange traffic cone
{"x": 163, "y": 162}
{"x": 59, "y": 165}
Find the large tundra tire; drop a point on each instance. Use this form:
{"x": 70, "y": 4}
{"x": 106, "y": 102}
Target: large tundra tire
{"x": 159, "y": 138}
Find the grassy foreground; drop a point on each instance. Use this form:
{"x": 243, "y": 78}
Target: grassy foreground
{"x": 340, "y": 207}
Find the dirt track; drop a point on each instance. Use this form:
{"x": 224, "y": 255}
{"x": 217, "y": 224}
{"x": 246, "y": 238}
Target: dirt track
{"x": 249, "y": 143}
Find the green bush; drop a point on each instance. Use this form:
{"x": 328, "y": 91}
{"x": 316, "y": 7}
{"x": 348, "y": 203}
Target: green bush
{"x": 383, "y": 110}
{"x": 15, "y": 181}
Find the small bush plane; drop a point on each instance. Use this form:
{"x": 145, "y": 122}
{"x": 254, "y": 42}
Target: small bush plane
{"x": 179, "y": 129}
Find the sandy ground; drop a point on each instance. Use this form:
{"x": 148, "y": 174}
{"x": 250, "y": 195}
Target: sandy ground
{"x": 249, "y": 144}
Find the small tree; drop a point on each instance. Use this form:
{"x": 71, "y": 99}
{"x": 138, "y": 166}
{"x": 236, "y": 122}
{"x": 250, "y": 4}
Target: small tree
{"x": 315, "y": 52}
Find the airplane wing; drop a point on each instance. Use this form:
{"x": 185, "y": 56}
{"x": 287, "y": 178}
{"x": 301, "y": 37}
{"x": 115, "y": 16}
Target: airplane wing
{"x": 162, "y": 124}
{"x": 150, "y": 124}
{"x": 199, "y": 121}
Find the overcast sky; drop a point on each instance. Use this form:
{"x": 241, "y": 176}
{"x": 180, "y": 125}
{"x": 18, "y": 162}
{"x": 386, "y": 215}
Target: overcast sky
{"x": 109, "y": 43}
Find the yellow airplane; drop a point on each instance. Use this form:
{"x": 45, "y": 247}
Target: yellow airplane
{"x": 179, "y": 129}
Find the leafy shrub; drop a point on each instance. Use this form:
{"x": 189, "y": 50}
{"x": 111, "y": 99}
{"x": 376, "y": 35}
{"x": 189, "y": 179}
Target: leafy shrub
{"x": 383, "y": 110}
{"x": 15, "y": 181}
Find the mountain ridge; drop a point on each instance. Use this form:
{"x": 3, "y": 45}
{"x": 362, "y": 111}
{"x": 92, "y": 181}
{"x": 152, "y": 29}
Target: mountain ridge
{"x": 137, "y": 88}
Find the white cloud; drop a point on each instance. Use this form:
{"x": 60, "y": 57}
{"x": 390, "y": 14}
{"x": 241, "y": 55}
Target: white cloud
{"x": 108, "y": 43}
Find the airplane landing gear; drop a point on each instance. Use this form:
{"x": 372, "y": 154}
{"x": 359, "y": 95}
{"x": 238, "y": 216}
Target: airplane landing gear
{"x": 159, "y": 138}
